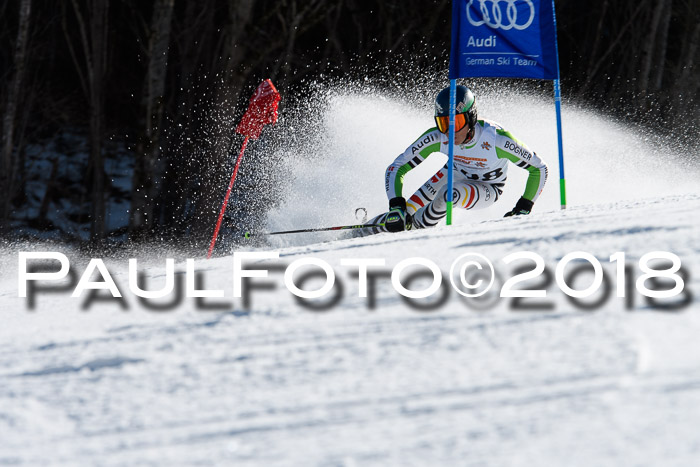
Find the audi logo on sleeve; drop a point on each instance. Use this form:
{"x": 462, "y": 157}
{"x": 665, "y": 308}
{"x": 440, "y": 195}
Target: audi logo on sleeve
{"x": 492, "y": 14}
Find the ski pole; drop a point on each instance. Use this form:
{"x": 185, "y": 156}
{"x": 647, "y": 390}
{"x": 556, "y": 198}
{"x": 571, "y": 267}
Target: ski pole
{"x": 321, "y": 229}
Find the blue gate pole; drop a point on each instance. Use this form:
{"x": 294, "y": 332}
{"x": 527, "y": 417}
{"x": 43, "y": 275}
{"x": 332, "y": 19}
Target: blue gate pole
{"x": 557, "y": 107}
{"x": 450, "y": 149}
{"x": 562, "y": 180}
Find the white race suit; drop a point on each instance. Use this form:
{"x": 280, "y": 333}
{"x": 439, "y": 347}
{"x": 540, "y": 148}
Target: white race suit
{"x": 480, "y": 169}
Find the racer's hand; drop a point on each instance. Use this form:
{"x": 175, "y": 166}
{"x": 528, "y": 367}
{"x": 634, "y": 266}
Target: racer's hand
{"x": 397, "y": 219}
{"x": 522, "y": 207}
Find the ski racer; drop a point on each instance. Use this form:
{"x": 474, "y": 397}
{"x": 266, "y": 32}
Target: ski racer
{"x": 482, "y": 151}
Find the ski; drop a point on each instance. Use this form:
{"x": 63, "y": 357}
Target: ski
{"x": 320, "y": 229}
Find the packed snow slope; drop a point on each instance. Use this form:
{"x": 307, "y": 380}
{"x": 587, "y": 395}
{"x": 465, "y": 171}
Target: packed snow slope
{"x": 265, "y": 380}
{"x": 272, "y": 383}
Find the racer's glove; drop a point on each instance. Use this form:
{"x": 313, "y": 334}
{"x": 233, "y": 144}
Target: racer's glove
{"x": 522, "y": 207}
{"x": 397, "y": 219}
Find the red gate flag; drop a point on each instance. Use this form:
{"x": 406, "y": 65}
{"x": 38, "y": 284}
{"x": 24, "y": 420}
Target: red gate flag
{"x": 262, "y": 110}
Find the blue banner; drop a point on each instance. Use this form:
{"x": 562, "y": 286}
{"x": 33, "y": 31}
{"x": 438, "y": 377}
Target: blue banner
{"x": 503, "y": 39}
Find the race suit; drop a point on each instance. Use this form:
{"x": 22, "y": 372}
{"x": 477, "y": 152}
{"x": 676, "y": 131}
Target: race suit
{"x": 480, "y": 169}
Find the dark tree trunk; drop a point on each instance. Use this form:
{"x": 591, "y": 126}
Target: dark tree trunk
{"x": 661, "y": 48}
{"x": 8, "y": 165}
{"x": 98, "y": 51}
{"x": 93, "y": 37}
{"x": 142, "y": 219}
{"x": 648, "y": 55}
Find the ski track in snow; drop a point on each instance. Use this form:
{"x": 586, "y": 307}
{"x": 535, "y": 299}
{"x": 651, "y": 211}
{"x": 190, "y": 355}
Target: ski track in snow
{"x": 274, "y": 384}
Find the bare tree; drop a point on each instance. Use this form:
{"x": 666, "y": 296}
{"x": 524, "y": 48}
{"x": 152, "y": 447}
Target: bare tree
{"x": 597, "y": 38}
{"x": 148, "y": 150}
{"x": 687, "y": 83}
{"x": 662, "y": 48}
{"x": 93, "y": 38}
{"x": 294, "y": 19}
{"x": 648, "y": 48}
{"x": 8, "y": 167}
{"x": 617, "y": 43}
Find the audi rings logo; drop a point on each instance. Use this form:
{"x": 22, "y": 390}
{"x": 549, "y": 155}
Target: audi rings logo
{"x": 493, "y": 17}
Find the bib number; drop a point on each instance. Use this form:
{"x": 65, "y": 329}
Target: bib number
{"x": 486, "y": 177}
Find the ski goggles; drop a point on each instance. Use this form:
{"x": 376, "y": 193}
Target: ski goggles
{"x": 443, "y": 123}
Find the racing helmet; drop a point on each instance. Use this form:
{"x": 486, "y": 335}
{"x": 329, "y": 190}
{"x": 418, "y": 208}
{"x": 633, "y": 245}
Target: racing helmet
{"x": 465, "y": 109}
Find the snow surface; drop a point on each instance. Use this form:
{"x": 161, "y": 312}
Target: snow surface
{"x": 469, "y": 383}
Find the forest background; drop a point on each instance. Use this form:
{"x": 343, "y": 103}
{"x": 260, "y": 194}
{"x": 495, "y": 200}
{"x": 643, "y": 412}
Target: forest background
{"x": 155, "y": 88}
